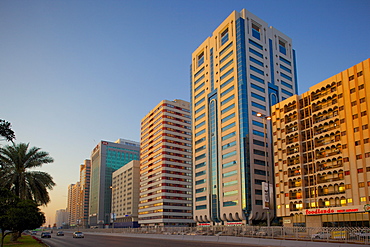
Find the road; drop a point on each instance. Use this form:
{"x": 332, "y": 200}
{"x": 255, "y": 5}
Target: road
{"x": 91, "y": 240}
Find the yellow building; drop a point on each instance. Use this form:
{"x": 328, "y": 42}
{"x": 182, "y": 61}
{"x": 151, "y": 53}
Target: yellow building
{"x": 165, "y": 165}
{"x": 322, "y": 152}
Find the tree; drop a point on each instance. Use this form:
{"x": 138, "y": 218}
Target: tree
{"x": 18, "y": 215}
{"x": 16, "y": 174}
{"x": 7, "y": 201}
{"x": 6, "y": 131}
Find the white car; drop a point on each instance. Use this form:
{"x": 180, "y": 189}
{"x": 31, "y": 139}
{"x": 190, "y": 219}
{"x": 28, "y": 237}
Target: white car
{"x": 78, "y": 235}
{"x": 321, "y": 235}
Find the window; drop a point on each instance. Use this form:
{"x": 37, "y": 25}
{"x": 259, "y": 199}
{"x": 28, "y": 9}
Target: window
{"x": 226, "y": 74}
{"x": 200, "y": 190}
{"x": 355, "y": 116}
{"x": 367, "y": 155}
{"x": 255, "y": 44}
{"x": 256, "y": 61}
{"x": 257, "y": 88}
{"x": 362, "y": 184}
{"x": 228, "y": 155}
{"x": 362, "y": 100}
{"x": 282, "y": 46}
{"x": 363, "y": 199}
{"x": 256, "y": 31}
{"x": 352, "y": 77}
{"x": 255, "y": 52}
{"x": 258, "y": 133}
{"x": 352, "y": 90}
{"x": 344, "y": 146}
{"x": 201, "y": 181}
{"x": 360, "y": 170}
{"x": 257, "y": 78}
{"x": 200, "y": 59}
{"x": 230, "y": 203}
{"x": 228, "y": 136}
{"x": 227, "y": 91}
{"x": 256, "y": 70}
{"x": 224, "y": 36}
{"x": 227, "y": 100}
{"x": 226, "y": 57}
{"x": 229, "y": 174}
{"x": 257, "y": 96}
{"x": 357, "y": 143}
{"x": 229, "y": 126}
{"x": 341, "y": 108}
{"x": 200, "y": 207}
{"x": 286, "y": 84}
{"x": 226, "y": 82}
{"x": 200, "y": 165}
{"x": 358, "y": 156}
{"x": 228, "y": 108}
{"x": 344, "y": 133}
{"x": 228, "y": 118}
{"x": 353, "y": 103}
{"x": 230, "y": 144}
{"x": 364, "y": 113}
{"x": 340, "y": 96}
{"x": 365, "y": 127}
{"x": 362, "y": 86}
{"x": 262, "y": 107}
{"x": 359, "y": 73}
{"x": 285, "y": 61}
{"x": 226, "y": 65}
{"x": 200, "y": 173}
{"x": 256, "y": 123}
{"x": 356, "y": 129}
{"x": 366, "y": 140}
{"x": 286, "y": 76}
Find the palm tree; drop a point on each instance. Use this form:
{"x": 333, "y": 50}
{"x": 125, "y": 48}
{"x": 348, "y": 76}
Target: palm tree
{"x": 16, "y": 174}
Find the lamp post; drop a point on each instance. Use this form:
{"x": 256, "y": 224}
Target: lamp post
{"x": 267, "y": 197}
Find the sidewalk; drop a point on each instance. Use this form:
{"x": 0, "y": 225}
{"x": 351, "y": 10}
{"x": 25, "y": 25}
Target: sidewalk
{"x": 236, "y": 240}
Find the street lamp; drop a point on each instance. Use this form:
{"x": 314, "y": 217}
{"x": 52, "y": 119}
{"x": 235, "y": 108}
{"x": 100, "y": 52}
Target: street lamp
{"x": 267, "y": 197}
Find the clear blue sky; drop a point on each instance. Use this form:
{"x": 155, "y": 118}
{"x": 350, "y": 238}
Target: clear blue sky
{"x": 75, "y": 72}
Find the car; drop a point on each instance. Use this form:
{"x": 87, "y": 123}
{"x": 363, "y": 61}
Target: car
{"x": 78, "y": 235}
{"x": 45, "y": 235}
{"x": 362, "y": 234}
{"x": 321, "y": 235}
{"x": 60, "y": 233}
{"x": 33, "y": 233}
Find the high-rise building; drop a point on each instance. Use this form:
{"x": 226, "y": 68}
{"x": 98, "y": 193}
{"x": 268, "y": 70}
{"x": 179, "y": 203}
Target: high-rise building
{"x": 85, "y": 172}
{"x": 322, "y": 152}
{"x": 165, "y": 165}
{"x": 106, "y": 158}
{"x": 125, "y": 195}
{"x": 61, "y": 218}
{"x": 243, "y": 69}
{"x": 73, "y": 203}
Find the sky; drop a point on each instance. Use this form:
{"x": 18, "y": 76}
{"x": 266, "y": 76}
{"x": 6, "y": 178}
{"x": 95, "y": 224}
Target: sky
{"x": 75, "y": 72}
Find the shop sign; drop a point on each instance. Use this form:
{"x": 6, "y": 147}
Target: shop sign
{"x": 204, "y": 224}
{"x": 331, "y": 211}
{"x": 367, "y": 207}
{"x": 234, "y": 223}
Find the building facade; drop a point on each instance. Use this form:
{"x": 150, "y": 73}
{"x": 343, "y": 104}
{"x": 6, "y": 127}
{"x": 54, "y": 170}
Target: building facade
{"x": 241, "y": 70}
{"x": 85, "y": 172}
{"x": 125, "y": 195}
{"x": 106, "y": 158}
{"x": 322, "y": 152}
{"x": 61, "y": 218}
{"x": 74, "y": 203}
{"x": 165, "y": 165}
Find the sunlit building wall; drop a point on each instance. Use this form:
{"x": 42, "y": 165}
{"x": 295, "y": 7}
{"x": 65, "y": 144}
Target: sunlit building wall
{"x": 85, "y": 172}
{"x": 61, "y": 218}
{"x": 125, "y": 194}
{"x": 322, "y": 152}
{"x": 106, "y": 158}
{"x": 165, "y": 165}
{"x": 244, "y": 68}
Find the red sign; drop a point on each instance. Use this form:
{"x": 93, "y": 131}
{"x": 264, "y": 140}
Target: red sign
{"x": 104, "y": 143}
{"x": 329, "y": 211}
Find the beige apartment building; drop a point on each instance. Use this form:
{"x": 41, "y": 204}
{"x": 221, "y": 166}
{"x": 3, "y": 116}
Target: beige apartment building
{"x": 322, "y": 152}
{"x": 85, "y": 172}
{"x": 125, "y": 195}
{"x": 74, "y": 204}
{"x": 165, "y": 165}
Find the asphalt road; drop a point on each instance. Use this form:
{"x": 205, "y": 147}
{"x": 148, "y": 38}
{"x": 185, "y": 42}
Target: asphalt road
{"x": 111, "y": 241}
